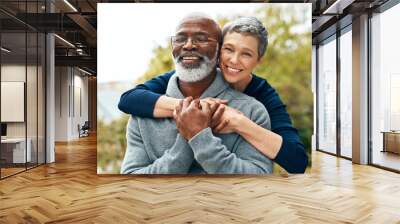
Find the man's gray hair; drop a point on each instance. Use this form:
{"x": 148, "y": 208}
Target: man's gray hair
{"x": 251, "y": 26}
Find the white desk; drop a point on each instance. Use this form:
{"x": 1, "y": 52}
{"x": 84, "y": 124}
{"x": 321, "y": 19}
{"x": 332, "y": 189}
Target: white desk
{"x": 18, "y": 150}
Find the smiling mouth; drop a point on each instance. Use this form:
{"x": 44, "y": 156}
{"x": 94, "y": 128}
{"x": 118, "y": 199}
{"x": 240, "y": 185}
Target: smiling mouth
{"x": 190, "y": 59}
{"x": 233, "y": 70}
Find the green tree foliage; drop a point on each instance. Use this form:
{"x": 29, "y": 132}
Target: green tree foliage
{"x": 111, "y": 144}
{"x": 160, "y": 63}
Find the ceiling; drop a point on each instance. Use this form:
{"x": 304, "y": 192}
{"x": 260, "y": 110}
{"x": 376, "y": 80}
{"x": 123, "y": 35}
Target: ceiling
{"x": 76, "y": 25}
{"x": 328, "y": 16}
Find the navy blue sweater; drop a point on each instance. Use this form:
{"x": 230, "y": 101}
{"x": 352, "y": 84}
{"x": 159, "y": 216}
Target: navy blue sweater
{"x": 140, "y": 101}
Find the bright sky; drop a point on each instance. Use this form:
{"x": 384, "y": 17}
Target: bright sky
{"x": 127, "y": 33}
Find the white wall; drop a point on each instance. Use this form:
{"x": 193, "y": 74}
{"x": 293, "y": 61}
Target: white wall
{"x": 11, "y": 73}
{"x": 71, "y": 94}
{"x": 61, "y": 103}
{"x": 16, "y": 73}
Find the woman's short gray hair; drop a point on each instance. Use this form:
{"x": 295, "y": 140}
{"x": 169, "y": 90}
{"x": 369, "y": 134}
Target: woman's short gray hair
{"x": 251, "y": 26}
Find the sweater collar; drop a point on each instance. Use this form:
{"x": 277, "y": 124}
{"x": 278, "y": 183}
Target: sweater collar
{"x": 217, "y": 86}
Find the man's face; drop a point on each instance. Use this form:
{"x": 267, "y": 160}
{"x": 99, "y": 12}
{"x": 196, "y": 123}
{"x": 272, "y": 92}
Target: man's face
{"x": 195, "y": 49}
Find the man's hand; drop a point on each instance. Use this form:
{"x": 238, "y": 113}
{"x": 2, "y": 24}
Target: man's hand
{"x": 192, "y": 116}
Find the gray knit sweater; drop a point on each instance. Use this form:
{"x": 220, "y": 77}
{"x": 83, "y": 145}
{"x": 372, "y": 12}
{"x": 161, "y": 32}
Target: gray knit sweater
{"x": 154, "y": 146}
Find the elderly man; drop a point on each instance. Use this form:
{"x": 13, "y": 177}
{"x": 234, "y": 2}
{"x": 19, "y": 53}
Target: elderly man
{"x": 186, "y": 144}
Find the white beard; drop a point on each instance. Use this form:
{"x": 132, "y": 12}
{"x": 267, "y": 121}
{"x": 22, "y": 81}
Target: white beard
{"x": 196, "y": 74}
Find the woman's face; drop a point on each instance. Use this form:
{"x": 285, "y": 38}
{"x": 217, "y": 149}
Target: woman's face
{"x": 239, "y": 56}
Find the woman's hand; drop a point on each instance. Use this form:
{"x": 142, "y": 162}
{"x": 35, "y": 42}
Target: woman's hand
{"x": 226, "y": 119}
{"x": 211, "y": 101}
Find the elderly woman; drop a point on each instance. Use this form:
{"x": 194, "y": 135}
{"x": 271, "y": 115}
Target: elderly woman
{"x": 244, "y": 44}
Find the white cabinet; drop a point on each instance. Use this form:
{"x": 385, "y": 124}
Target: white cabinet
{"x": 16, "y": 149}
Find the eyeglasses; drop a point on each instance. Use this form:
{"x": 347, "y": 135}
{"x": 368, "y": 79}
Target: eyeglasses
{"x": 196, "y": 39}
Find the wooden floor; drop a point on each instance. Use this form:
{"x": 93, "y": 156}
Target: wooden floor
{"x": 10, "y": 171}
{"x": 69, "y": 191}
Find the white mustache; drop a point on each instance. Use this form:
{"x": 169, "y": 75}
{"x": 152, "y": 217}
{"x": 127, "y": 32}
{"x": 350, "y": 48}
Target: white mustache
{"x": 181, "y": 56}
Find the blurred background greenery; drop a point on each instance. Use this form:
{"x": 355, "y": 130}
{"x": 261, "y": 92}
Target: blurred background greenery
{"x": 286, "y": 66}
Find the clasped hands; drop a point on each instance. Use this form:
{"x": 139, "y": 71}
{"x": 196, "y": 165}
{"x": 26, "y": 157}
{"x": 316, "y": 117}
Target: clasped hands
{"x": 194, "y": 115}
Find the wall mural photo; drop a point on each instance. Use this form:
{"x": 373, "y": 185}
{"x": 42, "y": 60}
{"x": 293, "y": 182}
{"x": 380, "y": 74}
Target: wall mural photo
{"x": 208, "y": 89}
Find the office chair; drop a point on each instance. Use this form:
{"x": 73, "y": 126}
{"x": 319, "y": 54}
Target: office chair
{"x": 84, "y": 130}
